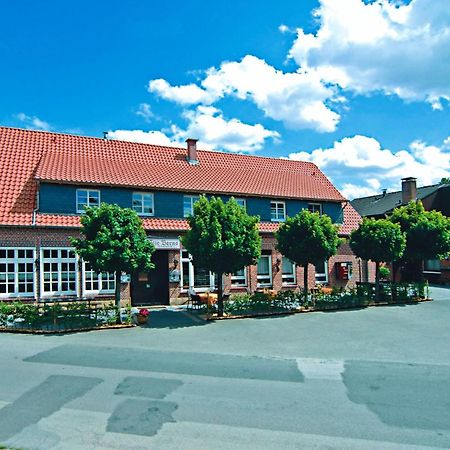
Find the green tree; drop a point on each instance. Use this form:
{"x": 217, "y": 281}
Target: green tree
{"x": 308, "y": 238}
{"x": 427, "y": 237}
{"x": 380, "y": 241}
{"x": 114, "y": 240}
{"x": 223, "y": 238}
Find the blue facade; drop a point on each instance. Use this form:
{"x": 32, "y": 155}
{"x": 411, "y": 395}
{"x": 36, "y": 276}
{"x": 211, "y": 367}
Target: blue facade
{"x": 61, "y": 199}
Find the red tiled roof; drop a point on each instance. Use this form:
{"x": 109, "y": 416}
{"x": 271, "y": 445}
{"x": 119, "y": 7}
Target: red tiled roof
{"x": 29, "y": 155}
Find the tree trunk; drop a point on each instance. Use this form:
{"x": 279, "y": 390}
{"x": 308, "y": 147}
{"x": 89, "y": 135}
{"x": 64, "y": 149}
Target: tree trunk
{"x": 395, "y": 265}
{"x": 117, "y": 295}
{"x": 220, "y": 295}
{"x": 305, "y": 283}
{"x": 377, "y": 281}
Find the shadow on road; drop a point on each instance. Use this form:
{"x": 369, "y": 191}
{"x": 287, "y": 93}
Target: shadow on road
{"x": 173, "y": 319}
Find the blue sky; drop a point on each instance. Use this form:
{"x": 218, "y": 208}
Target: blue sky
{"x": 361, "y": 88}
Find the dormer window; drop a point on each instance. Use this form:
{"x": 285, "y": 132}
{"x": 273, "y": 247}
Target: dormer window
{"x": 277, "y": 211}
{"x": 143, "y": 203}
{"x": 87, "y": 198}
{"x": 315, "y": 207}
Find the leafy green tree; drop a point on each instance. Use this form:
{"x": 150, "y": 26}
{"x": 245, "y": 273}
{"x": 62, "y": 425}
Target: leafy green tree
{"x": 427, "y": 237}
{"x": 223, "y": 238}
{"x": 380, "y": 241}
{"x": 114, "y": 240}
{"x": 308, "y": 238}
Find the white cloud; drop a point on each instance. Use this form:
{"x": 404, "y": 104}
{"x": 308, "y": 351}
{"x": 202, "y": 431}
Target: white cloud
{"x": 208, "y": 125}
{"x": 145, "y": 137}
{"x": 364, "y": 160}
{"x": 33, "y": 122}
{"x": 387, "y": 46}
{"x": 145, "y": 111}
{"x": 299, "y": 99}
{"x": 213, "y": 131}
{"x": 188, "y": 94}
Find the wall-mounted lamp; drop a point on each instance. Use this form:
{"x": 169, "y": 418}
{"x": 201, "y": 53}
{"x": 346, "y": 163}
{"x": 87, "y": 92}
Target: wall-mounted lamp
{"x": 37, "y": 262}
{"x": 175, "y": 262}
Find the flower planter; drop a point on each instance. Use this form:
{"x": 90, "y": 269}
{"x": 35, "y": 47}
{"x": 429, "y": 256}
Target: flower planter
{"x": 141, "y": 319}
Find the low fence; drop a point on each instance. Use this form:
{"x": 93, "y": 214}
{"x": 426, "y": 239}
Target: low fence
{"x": 58, "y": 316}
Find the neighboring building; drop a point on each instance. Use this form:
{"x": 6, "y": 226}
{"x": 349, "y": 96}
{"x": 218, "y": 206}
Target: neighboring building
{"x": 435, "y": 197}
{"x": 47, "y": 179}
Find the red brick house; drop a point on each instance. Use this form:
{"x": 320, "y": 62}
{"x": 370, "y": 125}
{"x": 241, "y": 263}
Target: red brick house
{"x": 48, "y": 178}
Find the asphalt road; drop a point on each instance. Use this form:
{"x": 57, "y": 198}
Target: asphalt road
{"x": 361, "y": 379}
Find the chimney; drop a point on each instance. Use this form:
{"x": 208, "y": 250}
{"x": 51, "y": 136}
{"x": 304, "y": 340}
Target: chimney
{"x": 383, "y": 192}
{"x": 192, "y": 151}
{"x": 409, "y": 190}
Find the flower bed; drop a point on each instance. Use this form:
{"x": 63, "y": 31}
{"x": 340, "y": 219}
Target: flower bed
{"x": 319, "y": 299}
{"x": 59, "y": 316}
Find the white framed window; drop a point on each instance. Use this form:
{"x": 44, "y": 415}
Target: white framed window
{"x": 17, "y": 272}
{"x": 198, "y": 278}
{"x": 315, "y": 207}
{"x": 188, "y": 204}
{"x": 264, "y": 271}
{"x": 239, "y": 278}
{"x": 97, "y": 283}
{"x": 241, "y": 202}
{"x": 322, "y": 272}
{"x": 143, "y": 203}
{"x": 277, "y": 211}
{"x": 58, "y": 271}
{"x": 87, "y": 197}
{"x": 432, "y": 265}
{"x": 287, "y": 271}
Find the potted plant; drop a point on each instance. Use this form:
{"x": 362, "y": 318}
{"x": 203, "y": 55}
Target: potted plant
{"x": 142, "y": 316}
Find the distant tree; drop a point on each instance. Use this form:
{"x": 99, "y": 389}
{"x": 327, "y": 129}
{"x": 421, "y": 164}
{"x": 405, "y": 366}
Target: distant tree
{"x": 427, "y": 237}
{"x": 223, "y": 239}
{"x": 445, "y": 181}
{"x": 308, "y": 238}
{"x": 379, "y": 241}
{"x": 114, "y": 240}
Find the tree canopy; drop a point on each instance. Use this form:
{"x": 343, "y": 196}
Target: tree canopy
{"x": 223, "y": 238}
{"x": 113, "y": 239}
{"x": 308, "y": 238}
{"x": 379, "y": 241}
{"x": 427, "y": 236}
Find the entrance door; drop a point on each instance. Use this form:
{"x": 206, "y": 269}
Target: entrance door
{"x": 152, "y": 288}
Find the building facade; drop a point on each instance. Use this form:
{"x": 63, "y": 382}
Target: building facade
{"x": 434, "y": 197}
{"x": 48, "y": 179}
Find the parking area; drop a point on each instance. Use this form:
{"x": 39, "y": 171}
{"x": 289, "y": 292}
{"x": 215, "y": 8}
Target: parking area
{"x": 370, "y": 378}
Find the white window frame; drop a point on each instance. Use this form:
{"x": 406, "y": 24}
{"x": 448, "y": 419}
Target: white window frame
{"x": 141, "y": 211}
{"x": 59, "y": 261}
{"x": 280, "y": 211}
{"x": 185, "y": 257}
{"x": 241, "y": 202}
{"x": 286, "y": 278}
{"x": 260, "y": 277}
{"x": 99, "y": 280}
{"x": 239, "y": 280}
{"x": 88, "y": 191}
{"x": 192, "y": 199}
{"x": 16, "y": 260}
{"x": 315, "y": 207}
{"x": 321, "y": 274}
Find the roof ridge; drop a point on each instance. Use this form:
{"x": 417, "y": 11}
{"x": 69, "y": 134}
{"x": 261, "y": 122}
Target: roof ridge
{"x": 168, "y": 147}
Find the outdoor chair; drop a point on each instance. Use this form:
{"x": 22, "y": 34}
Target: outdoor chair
{"x": 194, "y": 300}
